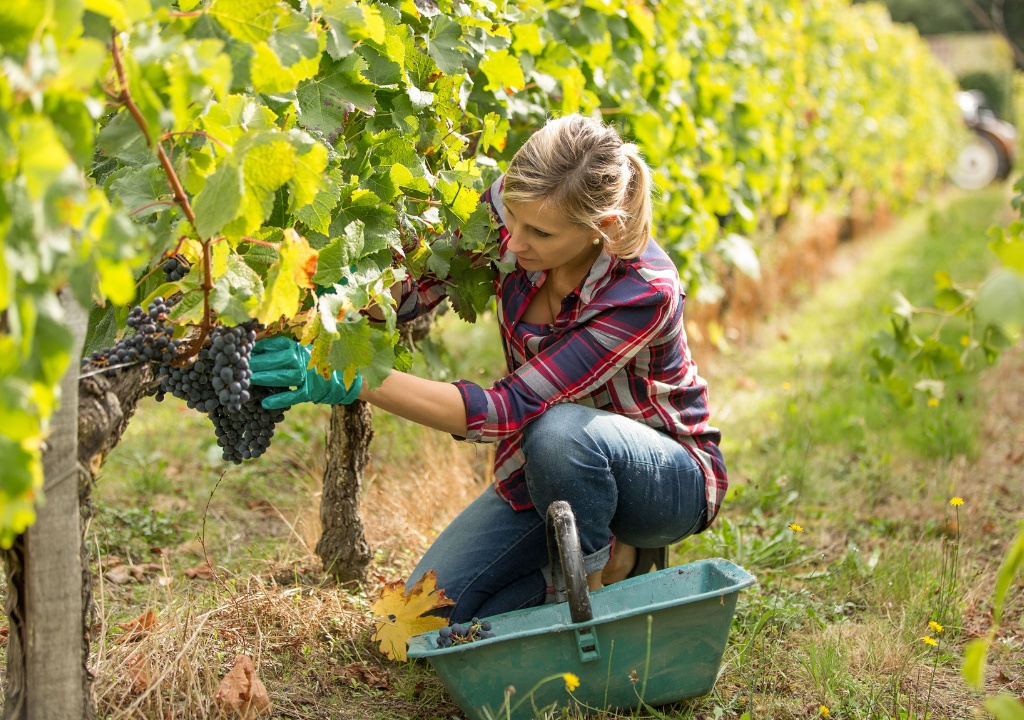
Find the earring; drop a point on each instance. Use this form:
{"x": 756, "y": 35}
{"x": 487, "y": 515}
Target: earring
{"x": 597, "y": 241}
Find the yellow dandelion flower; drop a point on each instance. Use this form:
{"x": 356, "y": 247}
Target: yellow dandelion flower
{"x": 935, "y": 626}
{"x": 786, "y": 386}
{"x": 796, "y": 528}
{"x": 965, "y": 340}
{"x": 957, "y": 501}
{"x": 571, "y": 681}
{"x": 929, "y": 640}
{"x": 824, "y": 711}
{"x": 933, "y": 402}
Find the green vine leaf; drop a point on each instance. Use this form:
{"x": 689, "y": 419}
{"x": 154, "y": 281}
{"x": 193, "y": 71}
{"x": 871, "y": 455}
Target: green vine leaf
{"x": 220, "y": 200}
{"x": 503, "y": 72}
{"x": 444, "y": 44}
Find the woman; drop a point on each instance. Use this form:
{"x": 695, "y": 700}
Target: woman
{"x": 602, "y": 406}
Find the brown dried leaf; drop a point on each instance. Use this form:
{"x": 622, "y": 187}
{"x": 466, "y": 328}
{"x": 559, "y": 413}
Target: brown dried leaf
{"x": 138, "y": 627}
{"x": 242, "y": 692}
{"x": 119, "y": 574}
{"x": 202, "y": 571}
{"x": 369, "y": 676}
{"x": 141, "y": 673}
{"x": 263, "y": 507}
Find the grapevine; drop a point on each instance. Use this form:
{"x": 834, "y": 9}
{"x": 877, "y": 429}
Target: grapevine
{"x": 285, "y": 163}
{"x": 152, "y": 342}
{"x": 216, "y": 383}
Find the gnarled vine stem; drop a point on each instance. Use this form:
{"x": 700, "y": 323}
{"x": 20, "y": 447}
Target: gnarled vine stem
{"x": 124, "y": 96}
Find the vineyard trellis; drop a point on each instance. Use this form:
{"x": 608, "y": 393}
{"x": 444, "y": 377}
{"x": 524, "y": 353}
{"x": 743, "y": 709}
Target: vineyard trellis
{"x": 298, "y": 158}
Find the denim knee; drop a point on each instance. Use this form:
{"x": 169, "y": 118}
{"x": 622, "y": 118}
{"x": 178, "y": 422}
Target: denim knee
{"x": 555, "y": 444}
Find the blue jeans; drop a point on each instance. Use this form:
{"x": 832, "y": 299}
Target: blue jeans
{"x": 621, "y": 478}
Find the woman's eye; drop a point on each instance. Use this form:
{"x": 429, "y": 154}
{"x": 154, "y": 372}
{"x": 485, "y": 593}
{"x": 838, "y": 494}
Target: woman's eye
{"x": 541, "y": 233}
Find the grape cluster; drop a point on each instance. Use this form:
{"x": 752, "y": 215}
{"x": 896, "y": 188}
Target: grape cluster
{"x": 461, "y": 633}
{"x": 246, "y": 434}
{"x": 152, "y": 340}
{"x": 175, "y": 269}
{"x": 231, "y": 348}
{"x": 217, "y": 383}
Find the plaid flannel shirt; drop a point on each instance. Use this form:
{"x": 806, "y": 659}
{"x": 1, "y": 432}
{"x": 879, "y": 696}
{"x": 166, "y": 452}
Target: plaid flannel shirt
{"x": 618, "y": 344}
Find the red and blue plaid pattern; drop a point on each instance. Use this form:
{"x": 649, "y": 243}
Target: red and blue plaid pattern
{"x": 618, "y": 344}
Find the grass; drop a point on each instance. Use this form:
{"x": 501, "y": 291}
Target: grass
{"x": 835, "y": 620}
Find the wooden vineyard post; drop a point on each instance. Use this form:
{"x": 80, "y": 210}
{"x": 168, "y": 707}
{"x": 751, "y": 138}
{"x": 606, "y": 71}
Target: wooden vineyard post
{"x": 48, "y": 648}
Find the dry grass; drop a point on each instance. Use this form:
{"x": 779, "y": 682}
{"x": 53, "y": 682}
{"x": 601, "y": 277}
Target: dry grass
{"x": 172, "y": 669}
{"x": 405, "y": 506}
{"x": 310, "y": 643}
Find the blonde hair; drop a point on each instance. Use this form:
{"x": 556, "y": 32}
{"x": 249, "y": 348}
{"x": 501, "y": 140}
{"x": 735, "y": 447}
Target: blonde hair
{"x": 588, "y": 172}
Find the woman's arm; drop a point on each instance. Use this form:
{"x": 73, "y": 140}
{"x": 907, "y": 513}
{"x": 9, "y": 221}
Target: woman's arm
{"x": 428, "y": 402}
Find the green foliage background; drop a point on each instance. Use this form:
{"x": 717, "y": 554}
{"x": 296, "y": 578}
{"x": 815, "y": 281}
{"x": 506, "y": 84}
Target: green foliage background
{"x": 305, "y": 155}
{"x": 933, "y": 17}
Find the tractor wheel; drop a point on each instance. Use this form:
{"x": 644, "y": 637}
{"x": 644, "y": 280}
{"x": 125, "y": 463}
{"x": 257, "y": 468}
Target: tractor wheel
{"x": 979, "y": 163}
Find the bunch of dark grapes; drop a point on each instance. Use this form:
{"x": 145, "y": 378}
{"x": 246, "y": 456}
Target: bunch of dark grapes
{"x": 175, "y": 269}
{"x": 231, "y": 348}
{"x": 246, "y": 434}
{"x": 461, "y": 633}
{"x": 151, "y": 342}
{"x": 217, "y": 383}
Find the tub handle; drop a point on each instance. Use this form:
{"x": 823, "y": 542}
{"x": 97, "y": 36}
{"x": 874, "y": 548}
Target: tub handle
{"x": 566, "y": 558}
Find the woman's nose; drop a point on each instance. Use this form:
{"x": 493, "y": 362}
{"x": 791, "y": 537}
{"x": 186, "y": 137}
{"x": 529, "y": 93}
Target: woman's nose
{"x": 513, "y": 242}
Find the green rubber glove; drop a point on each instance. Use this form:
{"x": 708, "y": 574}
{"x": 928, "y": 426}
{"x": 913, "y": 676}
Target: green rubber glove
{"x": 281, "y": 362}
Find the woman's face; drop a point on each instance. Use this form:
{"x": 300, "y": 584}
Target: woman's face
{"x": 542, "y": 238}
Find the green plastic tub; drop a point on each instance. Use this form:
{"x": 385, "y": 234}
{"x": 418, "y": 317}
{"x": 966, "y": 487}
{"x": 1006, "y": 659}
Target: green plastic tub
{"x": 656, "y": 638}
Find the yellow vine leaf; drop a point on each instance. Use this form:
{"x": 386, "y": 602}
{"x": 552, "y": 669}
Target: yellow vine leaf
{"x": 399, "y": 614}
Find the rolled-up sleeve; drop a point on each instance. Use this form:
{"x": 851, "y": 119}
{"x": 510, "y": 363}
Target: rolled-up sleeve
{"x": 419, "y": 297}
{"x": 570, "y": 367}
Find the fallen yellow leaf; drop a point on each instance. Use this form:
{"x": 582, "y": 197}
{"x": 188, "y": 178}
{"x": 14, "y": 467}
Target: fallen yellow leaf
{"x": 399, "y": 614}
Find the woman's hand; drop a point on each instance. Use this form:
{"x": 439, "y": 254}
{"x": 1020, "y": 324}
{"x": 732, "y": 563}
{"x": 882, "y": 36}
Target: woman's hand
{"x": 283, "y": 363}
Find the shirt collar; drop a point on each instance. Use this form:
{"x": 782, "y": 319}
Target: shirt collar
{"x": 597, "y": 276}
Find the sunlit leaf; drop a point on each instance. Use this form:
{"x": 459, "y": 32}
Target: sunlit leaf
{"x": 503, "y": 72}
{"x": 251, "y": 21}
{"x": 220, "y": 200}
{"x": 293, "y": 271}
{"x": 399, "y": 613}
